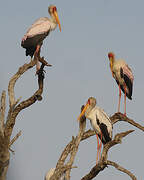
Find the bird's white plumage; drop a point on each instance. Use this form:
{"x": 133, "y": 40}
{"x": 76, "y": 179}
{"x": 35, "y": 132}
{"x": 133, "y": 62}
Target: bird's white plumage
{"x": 123, "y": 76}
{"x": 116, "y": 70}
{"x": 40, "y": 26}
{"x": 98, "y": 114}
{"x": 100, "y": 122}
{"x": 117, "y": 65}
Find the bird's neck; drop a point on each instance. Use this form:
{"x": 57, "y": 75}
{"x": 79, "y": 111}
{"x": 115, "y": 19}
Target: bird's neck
{"x": 53, "y": 22}
{"x": 88, "y": 111}
{"x": 53, "y": 19}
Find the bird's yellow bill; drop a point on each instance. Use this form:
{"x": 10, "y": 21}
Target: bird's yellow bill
{"x": 111, "y": 66}
{"x": 57, "y": 19}
{"x": 83, "y": 111}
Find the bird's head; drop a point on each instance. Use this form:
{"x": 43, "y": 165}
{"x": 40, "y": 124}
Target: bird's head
{"x": 53, "y": 12}
{"x": 111, "y": 57}
{"x": 91, "y": 103}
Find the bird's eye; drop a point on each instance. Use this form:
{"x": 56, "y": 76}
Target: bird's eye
{"x": 54, "y": 9}
{"x": 88, "y": 101}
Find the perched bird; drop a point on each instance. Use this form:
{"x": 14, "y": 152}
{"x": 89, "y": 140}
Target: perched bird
{"x": 123, "y": 76}
{"x": 39, "y": 30}
{"x": 100, "y": 122}
{"x": 51, "y": 172}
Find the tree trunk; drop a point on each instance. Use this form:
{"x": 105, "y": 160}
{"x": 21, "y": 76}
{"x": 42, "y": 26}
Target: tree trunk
{"x": 4, "y": 161}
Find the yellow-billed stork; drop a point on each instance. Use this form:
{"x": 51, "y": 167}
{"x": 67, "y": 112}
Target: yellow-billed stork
{"x": 39, "y": 30}
{"x": 123, "y": 75}
{"x": 100, "y": 122}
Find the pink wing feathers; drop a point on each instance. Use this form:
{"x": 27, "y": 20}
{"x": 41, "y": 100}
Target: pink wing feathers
{"x": 127, "y": 71}
{"x": 127, "y": 75}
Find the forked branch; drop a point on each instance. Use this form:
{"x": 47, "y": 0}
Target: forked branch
{"x": 121, "y": 117}
{"x": 72, "y": 148}
{"x": 14, "y": 108}
{"x": 15, "y": 138}
{"x": 13, "y": 80}
{"x": 103, "y": 163}
{"x": 120, "y": 168}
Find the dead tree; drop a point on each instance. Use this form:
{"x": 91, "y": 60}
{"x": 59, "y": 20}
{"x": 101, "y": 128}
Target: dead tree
{"x": 71, "y": 149}
{"x": 15, "y": 107}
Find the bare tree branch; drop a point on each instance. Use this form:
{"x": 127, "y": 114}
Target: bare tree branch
{"x": 43, "y": 61}
{"x": 69, "y": 146}
{"x": 60, "y": 167}
{"x": 13, "y": 80}
{"x": 2, "y": 113}
{"x": 88, "y": 134}
{"x": 115, "y": 118}
{"x": 12, "y": 150}
{"x": 14, "y": 108}
{"x": 13, "y": 112}
{"x": 15, "y": 138}
{"x": 103, "y": 160}
{"x": 121, "y": 117}
{"x": 95, "y": 171}
{"x": 17, "y": 101}
{"x": 82, "y": 126}
{"x": 121, "y": 169}
{"x": 71, "y": 149}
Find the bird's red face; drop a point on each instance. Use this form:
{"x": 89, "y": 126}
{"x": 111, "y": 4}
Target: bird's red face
{"x": 88, "y": 102}
{"x": 110, "y": 55}
{"x": 111, "y": 59}
{"x": 91, "y": 103}
{"x": 54, "y": 9}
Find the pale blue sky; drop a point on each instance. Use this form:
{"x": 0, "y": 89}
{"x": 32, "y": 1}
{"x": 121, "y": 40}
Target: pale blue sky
{"x": 90, "y": 29}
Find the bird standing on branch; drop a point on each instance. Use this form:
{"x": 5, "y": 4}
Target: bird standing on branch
{"x": 33, "y": 39}
{"x": 123, "y": 76}
{"x": 100, "y": 122}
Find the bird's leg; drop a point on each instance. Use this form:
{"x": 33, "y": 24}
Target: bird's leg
{"x": 37, "y": 55}
{"x": 119, "y": 98}
{"x": 97, "y": 149}
{"x": 37, "y": 49}
{"x": 100, "y": 145}
{"x": 125, "y": 100}
{"x": 37, "y": 66}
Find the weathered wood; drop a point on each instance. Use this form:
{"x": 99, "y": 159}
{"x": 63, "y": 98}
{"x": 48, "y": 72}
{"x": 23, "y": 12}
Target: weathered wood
{"x": 14, "y": 109}
{"x": 103, "y": 162}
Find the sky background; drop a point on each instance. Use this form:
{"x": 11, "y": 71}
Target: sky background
{"x": 90, "y": 29}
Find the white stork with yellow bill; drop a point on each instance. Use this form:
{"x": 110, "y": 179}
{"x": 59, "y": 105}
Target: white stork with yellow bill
{"x": 123, "y": 75}
{"x": 39, "y": 30}
{"x": 100, "y": 122}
